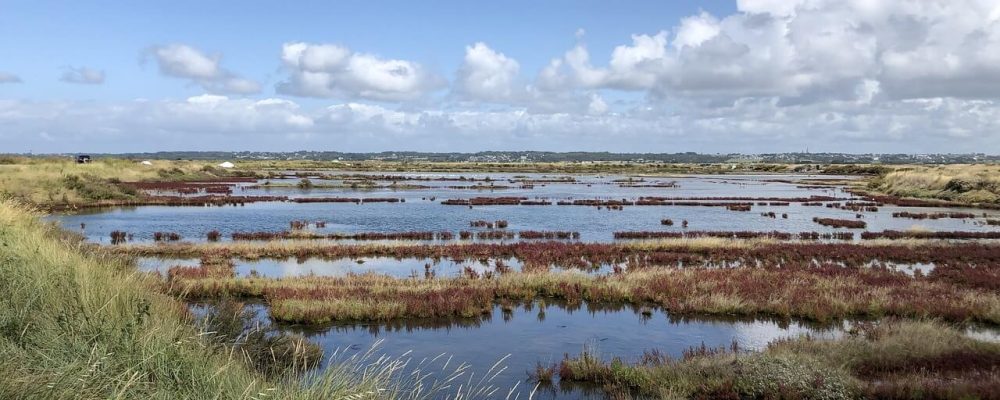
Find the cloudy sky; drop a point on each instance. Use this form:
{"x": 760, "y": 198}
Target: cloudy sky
{"x": 626, "y": 76}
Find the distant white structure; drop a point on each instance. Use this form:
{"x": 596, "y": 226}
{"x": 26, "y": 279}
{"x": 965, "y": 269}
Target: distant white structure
{"x": 147, "y": 162}
{"x": 227, "y": 164}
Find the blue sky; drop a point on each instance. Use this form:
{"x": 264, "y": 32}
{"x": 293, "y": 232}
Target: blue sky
{"x": 44, "y": 37}
{"x": 715, "y": 76}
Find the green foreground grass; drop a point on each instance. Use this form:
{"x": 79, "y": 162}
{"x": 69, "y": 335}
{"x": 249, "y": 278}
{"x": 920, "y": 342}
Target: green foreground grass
{"x": 81, "y": 326}
{"x": 75, "y": 323}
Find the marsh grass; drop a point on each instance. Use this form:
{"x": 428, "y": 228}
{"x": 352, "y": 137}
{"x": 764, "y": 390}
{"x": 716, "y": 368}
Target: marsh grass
{"x": 80, "y": 322}
{"x": 822, "y": 292}
{"x": 888, "y": 360}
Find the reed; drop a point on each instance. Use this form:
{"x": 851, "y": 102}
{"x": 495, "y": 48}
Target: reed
{"x": 542, "y": 374}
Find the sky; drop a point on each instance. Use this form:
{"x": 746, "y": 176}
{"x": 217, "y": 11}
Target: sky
{"x": 749, "y": 76}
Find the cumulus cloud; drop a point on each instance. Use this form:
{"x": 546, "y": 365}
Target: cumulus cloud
{"x": 803, "y": 51}
{"x": 776, "y": 75}
{"x": 747, "y": 125}
{"x": 83, "y": 75}
{"x": 488, "y": 75}
{"x": 329, "y": 70}
{"x": 6, "y": 77}
{"x": 186, "y": 62}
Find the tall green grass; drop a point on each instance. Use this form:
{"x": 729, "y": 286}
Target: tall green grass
{"x": 78, "y": 323}
{"x": 75, "y": 325}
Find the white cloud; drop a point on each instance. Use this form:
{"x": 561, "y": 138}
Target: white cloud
{"x": 631, "y": 67}
{"x": 488, "y": 75}
{"x": 774, "y": 7}
{"x": 908, "y": 75}
{"x": 695, "y": 30}
{"x": 6, "y": 77}
{"x": 327, "y": 70}
{"x": 804, "y": 51}
{"x": 83, "y": 75}
{"x": 186, "y": 62}
{"x": 749, "y": 125}
{"x": 597, "y": 106}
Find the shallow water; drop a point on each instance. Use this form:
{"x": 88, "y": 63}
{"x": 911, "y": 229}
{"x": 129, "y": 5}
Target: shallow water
{"x": 399, "y": 268}
{"x": 420, "y": 213}
{"x": 525, "y": 336}
{"x": 420, "y": 267}
{"x": 540, "y": 333}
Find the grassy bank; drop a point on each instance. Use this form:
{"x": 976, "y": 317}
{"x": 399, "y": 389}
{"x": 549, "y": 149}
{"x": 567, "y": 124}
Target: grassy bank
{"x": 961, "y": 183}
{"x": 75, "y": 323}
{"x": 50, "y": 181}
{"x": 79, "y": 326}
{"x": 898, "y": 360}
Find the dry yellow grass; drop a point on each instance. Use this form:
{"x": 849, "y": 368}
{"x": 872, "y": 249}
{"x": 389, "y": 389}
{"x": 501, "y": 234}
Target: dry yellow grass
{"x": 960, "y": 182}
{"x": 42, "y": 180}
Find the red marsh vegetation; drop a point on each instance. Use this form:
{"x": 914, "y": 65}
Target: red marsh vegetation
{"x": 840, "y": 223}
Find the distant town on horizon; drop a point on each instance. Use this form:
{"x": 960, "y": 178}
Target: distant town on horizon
{"x": 548, "y": 156}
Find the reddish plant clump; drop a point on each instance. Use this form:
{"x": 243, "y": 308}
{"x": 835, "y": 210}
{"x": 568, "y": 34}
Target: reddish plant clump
{"x": 840, "y": 223}
{"x": 548, "y": 235}
{"x": 911, "y": 215}
{"x": 166, "y": 236}
{"x": 118, "y": 237}
{"x": 929, "y": 235}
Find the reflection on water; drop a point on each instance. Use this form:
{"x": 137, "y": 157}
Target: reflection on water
{"x": 537, "y": 332}
{"x": 400, "y": 268}
{"x": 422, "y": 211}
{"x": 161, "y": 265}
{"x": 433, "y": 267}
{"x": 986, "y": 334}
